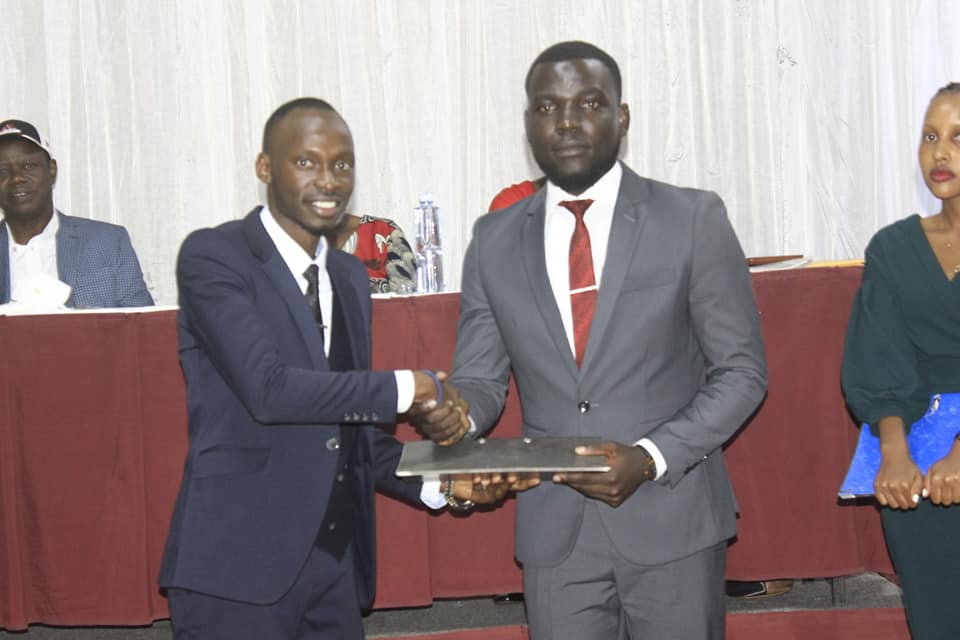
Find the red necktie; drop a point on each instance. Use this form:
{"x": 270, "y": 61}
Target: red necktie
{"x": 583, "y": 285}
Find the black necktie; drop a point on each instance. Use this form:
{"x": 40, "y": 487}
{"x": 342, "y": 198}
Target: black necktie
{"x": 313, "y": 296}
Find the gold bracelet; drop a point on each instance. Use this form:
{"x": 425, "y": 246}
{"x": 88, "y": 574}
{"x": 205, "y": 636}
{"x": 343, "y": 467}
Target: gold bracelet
{"x": 454, "y": 502}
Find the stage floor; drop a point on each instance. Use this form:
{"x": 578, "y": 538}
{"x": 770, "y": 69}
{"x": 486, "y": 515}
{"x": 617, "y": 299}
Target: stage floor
{"x": 867, "y": 591}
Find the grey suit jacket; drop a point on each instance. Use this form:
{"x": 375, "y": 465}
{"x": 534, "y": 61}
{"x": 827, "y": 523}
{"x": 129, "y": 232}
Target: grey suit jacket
{"x": 675, "y": 355}
{"x": 96, "y": 259}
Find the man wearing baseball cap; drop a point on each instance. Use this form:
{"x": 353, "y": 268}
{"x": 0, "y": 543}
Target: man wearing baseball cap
{"x": 59, "y": 259}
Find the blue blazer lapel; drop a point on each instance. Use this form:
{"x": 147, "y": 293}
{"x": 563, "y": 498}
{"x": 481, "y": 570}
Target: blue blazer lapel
{"x": 629, "y": 214}
{"x": 535, "y": 264}
{"x": 286, "y": 287}
{"x": 69, "y": 247}
{"x": 4, "y": 265}
{"x": 347, "y": 296}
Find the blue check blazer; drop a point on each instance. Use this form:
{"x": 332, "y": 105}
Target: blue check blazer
{"x": 96, "y": 259}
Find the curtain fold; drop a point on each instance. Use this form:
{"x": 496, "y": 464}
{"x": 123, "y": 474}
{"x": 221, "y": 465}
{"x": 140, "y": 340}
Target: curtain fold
{"x": 803, "y": 115}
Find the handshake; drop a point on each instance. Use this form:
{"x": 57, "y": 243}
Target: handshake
{"x": 441, "y": 413}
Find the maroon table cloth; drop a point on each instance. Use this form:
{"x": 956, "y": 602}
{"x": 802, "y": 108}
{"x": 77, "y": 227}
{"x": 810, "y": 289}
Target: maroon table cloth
{"x": 93, "y": 434}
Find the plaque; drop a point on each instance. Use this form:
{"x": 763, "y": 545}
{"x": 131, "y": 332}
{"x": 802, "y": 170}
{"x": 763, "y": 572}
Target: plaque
{"x": 521, "y": 455}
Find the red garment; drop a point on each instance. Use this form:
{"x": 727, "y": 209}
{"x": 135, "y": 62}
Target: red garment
{"x": 380, "y": 245}
{"x": 511, "y": 194}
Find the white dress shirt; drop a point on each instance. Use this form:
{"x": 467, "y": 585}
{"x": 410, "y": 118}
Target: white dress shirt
{"x": 558, "y": 229}
{"x": 33, "y": 262}
{"x": 297, "y": 260}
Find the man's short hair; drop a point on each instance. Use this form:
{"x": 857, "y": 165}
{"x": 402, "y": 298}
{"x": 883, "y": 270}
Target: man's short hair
{"x": 282, "y": 111}
{"x": 952, "y": 87}
{"x": 576, "y": 50}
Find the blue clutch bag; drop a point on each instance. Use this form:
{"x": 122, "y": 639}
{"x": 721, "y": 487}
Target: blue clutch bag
{"x": 930, "y": 439}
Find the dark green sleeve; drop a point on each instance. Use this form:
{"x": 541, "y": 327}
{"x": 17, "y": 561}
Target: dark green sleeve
{"x": 879, "y": 374}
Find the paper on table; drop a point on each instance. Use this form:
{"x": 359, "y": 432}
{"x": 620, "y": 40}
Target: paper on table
{"x": 15, "y": 309}
{"x": 858, "y": 262}
{"x": 792, "y": 263}
{"x": 754, "y": 261}
{"x": 39, "y": 293}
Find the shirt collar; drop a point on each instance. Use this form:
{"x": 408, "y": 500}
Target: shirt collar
{"x": 296, "y": 259}
{"x": 46, "y": 237}
{"x": 604, "y": 190}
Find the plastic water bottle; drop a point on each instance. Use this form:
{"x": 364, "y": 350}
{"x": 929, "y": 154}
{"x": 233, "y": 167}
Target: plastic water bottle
{"x": 426, "y": 224}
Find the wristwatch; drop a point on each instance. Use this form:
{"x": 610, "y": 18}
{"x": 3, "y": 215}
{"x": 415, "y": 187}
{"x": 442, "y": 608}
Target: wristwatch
{"x": 455, "y": 503}
{"x": 650, "y": 469}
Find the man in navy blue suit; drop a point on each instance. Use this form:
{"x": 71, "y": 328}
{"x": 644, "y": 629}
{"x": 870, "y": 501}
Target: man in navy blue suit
{"x": 273, "y": 531}
{"x": 38, "y": 248}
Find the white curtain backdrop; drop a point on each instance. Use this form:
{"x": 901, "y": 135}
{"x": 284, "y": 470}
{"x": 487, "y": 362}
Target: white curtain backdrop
{"x": 803, "y": 115}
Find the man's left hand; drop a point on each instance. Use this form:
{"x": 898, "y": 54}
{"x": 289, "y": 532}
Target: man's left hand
{"x": 493, "y": 487}
{"x": 466, "y": 488}
{"x": 629, "y": 468}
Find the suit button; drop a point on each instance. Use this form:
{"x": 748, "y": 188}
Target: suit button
{"x": 583, "y": 407}
{"x": 332, "y": 526}
{"x": 333, "y": 444}
{"x": 339, "y": 477}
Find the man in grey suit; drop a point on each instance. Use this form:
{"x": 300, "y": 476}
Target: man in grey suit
{"x": 625, "y": 310}
{"x": 37, "y": 248}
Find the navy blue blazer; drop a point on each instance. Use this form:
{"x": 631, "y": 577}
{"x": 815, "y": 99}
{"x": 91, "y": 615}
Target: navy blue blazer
{"x": 265, "y": 413}
{"x": 96, "y": 259}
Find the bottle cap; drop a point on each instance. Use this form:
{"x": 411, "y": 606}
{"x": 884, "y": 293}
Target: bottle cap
{"x": 426, "y": 196}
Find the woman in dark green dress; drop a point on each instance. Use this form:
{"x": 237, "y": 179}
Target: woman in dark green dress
{"x": 902, "y": 364}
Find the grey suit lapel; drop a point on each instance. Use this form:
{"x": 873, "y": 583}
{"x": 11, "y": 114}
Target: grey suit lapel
{"x": 535, "y": 264}
{"x": 629, "y": 214}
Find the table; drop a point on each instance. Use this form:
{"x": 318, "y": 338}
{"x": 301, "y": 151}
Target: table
{"x": 93, "y": 433}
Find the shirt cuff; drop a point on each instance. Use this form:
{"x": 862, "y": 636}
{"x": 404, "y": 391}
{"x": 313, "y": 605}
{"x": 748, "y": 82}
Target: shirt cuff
{"x": 659, "y": 462}
{"x": 431, "y": 496}
{"x": 406, "y": 387}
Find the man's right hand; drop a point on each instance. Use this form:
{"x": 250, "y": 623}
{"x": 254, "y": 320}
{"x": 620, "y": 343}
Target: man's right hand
{"x": 445, "y": 423}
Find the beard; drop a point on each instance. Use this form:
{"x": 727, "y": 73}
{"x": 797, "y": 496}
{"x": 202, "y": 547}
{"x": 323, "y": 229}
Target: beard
{"x": 578, "y": 182}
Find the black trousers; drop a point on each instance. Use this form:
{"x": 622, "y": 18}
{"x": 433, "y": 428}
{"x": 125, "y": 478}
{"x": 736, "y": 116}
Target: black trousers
{"x": 321, "y": 605}
{"x": 925, "y": 547}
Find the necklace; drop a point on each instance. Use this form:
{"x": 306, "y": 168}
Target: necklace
{"x": 946, "y": 229}
{"x": 956, "y": 267}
